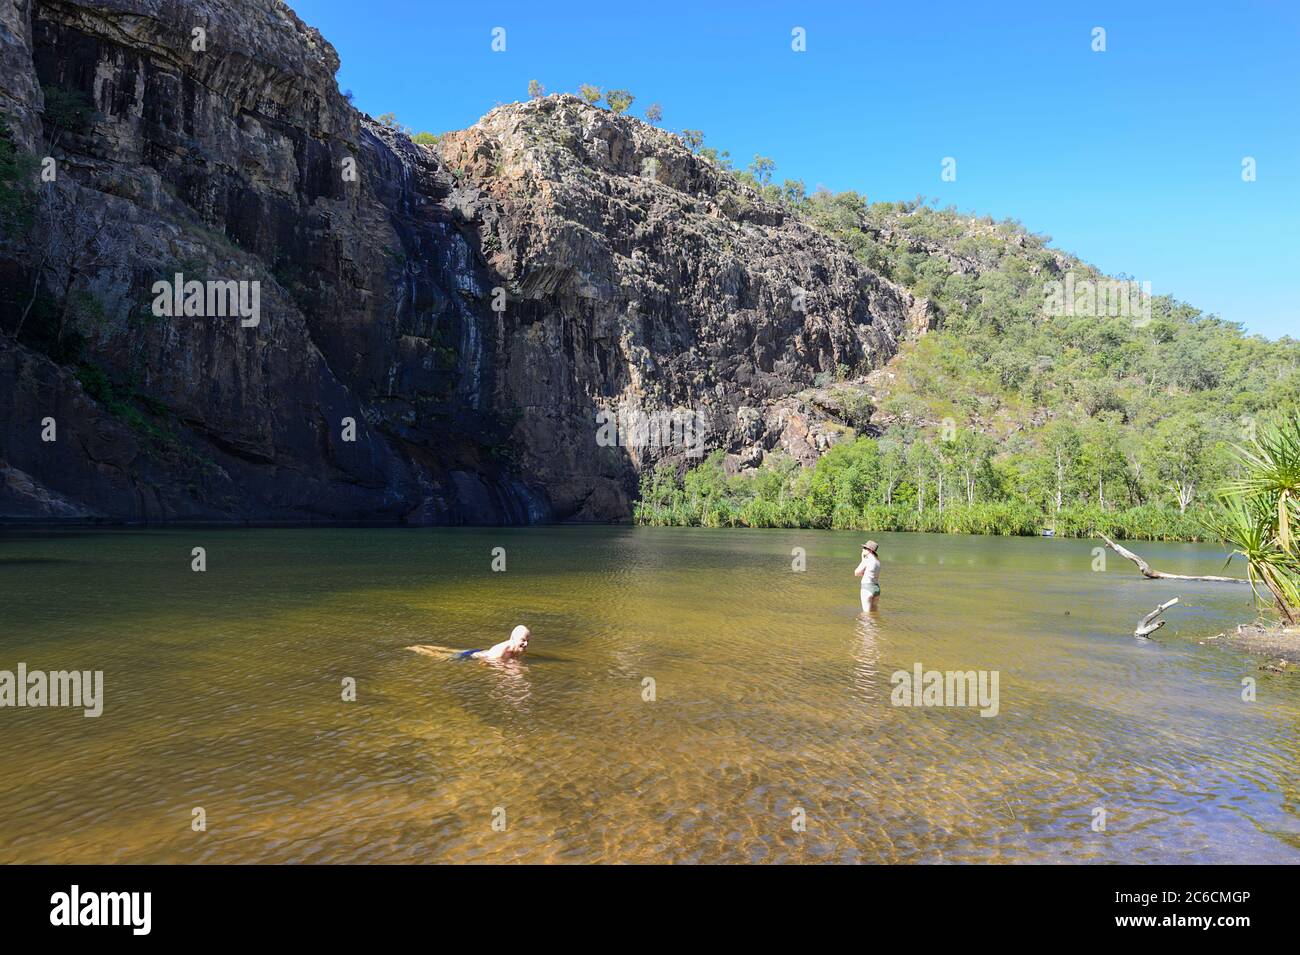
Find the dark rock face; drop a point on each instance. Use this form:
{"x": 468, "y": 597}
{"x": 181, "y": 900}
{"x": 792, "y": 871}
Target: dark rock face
{"x": 438, "y": 328}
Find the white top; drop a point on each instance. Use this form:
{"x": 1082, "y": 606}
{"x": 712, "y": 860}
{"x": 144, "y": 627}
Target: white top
{"x": 870, "y": 568}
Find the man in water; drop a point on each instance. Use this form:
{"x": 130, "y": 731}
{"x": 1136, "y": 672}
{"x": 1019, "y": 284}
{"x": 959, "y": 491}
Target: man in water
{"x": 869, "y": 571}
{"x": 511, "y": 649}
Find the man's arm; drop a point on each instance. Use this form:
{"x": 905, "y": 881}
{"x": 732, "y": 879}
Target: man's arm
{"x": 493, "y": 653}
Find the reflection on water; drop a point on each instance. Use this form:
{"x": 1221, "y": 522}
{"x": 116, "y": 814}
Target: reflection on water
{"x": 686, "y": 695}
{"x": 866, "y": 655}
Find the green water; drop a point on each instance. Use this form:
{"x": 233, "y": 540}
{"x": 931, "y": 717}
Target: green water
{"x": 223, "y": 690}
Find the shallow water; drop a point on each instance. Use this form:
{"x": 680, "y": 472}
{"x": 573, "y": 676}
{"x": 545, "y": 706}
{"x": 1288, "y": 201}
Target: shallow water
{"x": 772, "y": 701}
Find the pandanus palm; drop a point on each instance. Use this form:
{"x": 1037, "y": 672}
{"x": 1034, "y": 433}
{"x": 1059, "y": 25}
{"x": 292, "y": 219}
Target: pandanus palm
{"x": 1271, "y": 466}
{"x": 1259, "y": 513}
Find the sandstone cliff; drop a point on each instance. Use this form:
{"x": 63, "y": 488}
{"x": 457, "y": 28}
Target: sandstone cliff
{"x": 470, "y": 307}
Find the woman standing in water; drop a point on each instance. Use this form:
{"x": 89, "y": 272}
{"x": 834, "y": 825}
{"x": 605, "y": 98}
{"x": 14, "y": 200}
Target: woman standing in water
{"x": 869, "y": 571}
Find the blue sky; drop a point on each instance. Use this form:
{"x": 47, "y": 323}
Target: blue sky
{"x": 1130, "y": 158}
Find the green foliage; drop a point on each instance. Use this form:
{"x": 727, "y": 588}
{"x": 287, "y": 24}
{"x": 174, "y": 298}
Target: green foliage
{"x": 591, "y": 94}
{"x": 123, "y": 401}
{"x": 41, "y": 331}
{"x": 390, "y": 121}
{"x": 17, "y": 186}
{"x": 1271, "y": 470}
{"x": 618, "y": 100}
{"x": 96, "y": 383}
{"x": 654, "y": 113}
{"x": 843, "y": 497}
{"x": 905, "y": 482}
{"x": 536, "y": 90}
{"x": 719, "y": 159}
{"x": 761, "y": 169}
{"x": 1259, "y": 513}
{"x": 426, "y": 139}
{"x": 1249, "y": 525}
{"x": 66, "y": 111}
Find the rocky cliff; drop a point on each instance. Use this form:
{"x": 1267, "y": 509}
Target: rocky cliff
{"x": 438, "y": 326}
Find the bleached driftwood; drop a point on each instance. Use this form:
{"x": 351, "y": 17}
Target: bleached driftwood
{"x": 1143, "y": 566}
{"x": 1146, "y": 627}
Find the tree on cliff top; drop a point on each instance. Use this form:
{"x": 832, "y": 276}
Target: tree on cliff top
{"x": 761, "y": 169}
{"x": 618, "y": 100}
{"x": 390, "y": 121}
{"x": 589, "y": 93}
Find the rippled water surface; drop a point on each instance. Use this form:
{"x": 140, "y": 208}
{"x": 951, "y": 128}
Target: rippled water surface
{"x": 771, "y": 701}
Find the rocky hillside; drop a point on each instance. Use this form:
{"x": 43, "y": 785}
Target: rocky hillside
{"x": 438, "y": 328}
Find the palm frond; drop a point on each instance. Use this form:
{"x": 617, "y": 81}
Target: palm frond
{"x": 1258, "y": 510}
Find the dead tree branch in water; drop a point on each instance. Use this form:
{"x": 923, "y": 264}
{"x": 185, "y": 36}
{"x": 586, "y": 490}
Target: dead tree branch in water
{"x": 1143, "y": 566}
{"x": 1145, "y": 627}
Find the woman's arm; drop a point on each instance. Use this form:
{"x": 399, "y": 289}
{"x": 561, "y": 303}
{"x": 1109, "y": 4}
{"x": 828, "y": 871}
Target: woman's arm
{"x": 862, "y": 568}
